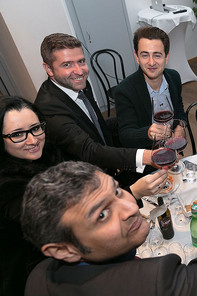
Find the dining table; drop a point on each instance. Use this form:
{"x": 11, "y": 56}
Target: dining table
{"x": 178, "y": 198}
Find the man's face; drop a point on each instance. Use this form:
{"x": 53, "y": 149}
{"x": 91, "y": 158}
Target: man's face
{"x": 107, "y": 221}
{"x": 69, "y": 68}
{"x": 151, "y": 58}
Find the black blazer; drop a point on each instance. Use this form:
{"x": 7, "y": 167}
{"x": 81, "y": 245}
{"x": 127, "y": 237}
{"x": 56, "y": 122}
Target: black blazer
{"x": 152, "y": 276}
{"x": 133, "y": 107}
{"x": 74, "y": 132}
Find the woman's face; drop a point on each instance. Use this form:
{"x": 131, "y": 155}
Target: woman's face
{"x": 18, "y": 121}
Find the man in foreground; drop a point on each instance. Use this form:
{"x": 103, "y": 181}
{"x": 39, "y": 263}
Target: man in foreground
{"x": 79, "y": 133}
{"x": 80, "y": 216}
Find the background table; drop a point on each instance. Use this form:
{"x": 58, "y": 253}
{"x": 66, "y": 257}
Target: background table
{"x": 175, "y": 26}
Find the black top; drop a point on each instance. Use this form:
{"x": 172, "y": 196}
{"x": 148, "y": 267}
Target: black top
{"x": 17, "y": 257}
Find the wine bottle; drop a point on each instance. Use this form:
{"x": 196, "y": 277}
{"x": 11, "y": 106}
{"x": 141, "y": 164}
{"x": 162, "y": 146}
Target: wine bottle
{"x": 165, "y": 222}
{"x": 193, "y": 225}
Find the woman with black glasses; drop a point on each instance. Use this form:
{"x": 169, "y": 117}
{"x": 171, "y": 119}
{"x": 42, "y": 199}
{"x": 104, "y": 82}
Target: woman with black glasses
{"x": 24, "y": 151}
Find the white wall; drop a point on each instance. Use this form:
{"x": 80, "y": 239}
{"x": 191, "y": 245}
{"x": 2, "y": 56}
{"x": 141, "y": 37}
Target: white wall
{"x": 29, "y": 22}
{"x": 191, "y": 35}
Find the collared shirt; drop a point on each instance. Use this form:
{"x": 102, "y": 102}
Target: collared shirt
{"x": 159, "y": 96}
{"x": 73, "y": 95}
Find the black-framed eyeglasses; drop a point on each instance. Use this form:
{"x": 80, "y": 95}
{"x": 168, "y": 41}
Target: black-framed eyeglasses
{"x": 21, "y": 136}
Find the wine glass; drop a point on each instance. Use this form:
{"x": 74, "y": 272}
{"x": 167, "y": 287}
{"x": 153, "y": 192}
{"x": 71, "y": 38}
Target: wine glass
{"x": 145, "y": 250}
{"x": 160, "y": 251}
{"x": 155, "y": 237}
{"x": 176, "y": 248}
{"x": 190, "y": 252}
{"x": 162, "y": 110}
{"x": 163, "y": 157}
{"x": 180, "y": 219}
{"x": 177, "y": 142}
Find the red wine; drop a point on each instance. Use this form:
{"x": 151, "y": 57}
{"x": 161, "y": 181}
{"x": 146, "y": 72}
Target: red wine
{"x": 163, "y": 116}
{"x": 177, "y": 143}
{"x": 164, "y": 157}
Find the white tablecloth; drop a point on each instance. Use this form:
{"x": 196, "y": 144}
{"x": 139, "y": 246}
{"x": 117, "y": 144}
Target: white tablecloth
{"x": 166, "y": 21}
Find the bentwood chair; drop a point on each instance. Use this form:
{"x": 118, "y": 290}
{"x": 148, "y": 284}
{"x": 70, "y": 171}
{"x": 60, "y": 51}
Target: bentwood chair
{"x": 189, "y": 114}
{"x": 109, "y": 68}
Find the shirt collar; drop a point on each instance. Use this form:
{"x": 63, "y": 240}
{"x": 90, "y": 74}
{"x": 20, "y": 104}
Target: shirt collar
{"x": 71, "y": 93}
{"x": 164, "y": 86}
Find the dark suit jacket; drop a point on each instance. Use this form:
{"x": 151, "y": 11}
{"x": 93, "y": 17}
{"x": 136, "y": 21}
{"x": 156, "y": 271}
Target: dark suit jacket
{"x": 133, "y": 107}
{"x": 74, "y": 132}
{"x": 163, "y": 276}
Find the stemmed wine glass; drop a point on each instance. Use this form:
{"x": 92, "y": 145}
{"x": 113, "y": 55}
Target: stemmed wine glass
{"x": 180, "y": 219}
{"x": 163, "y": 157}
{"x": 177, "y": 142}
{"x": 155, "y": 239}
{"x": 162, "y": 112}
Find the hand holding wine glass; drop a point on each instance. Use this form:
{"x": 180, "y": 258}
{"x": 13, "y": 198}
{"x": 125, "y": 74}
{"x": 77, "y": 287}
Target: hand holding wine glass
{"x": 160, "y": 131}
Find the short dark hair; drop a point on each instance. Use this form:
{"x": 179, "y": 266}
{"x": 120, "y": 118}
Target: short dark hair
{"x": 47, "y": 197}
{"x": 8, "y": 103}
{"x": 55, "y": 42}
{"x": 151, "y": 33}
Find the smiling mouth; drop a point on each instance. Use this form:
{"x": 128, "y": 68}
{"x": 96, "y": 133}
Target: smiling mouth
{"x": 34, "y": 149}
{"x": 152, "y": 69}
{"x": 79, "y": 78}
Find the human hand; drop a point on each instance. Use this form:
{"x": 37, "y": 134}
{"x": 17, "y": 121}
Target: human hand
{"x": 159, "y": 131}
{"x": 150, "y": 184}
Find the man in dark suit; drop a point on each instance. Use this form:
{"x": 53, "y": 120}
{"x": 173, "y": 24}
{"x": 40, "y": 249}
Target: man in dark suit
{"x": 151, "y": 81}
{"x": 69, "y": 121}
{"x": 80, "y": 217}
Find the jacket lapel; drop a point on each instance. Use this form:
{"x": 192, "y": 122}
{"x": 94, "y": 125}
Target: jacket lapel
{"x": 143, "y": 95}
{"x": 74, "y": 108}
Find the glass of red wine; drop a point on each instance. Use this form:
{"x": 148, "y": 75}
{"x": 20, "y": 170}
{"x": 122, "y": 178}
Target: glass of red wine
{"x": 177, "y": 142}
{"x": 163, "y": 157}
{"x": 162, "y": 111}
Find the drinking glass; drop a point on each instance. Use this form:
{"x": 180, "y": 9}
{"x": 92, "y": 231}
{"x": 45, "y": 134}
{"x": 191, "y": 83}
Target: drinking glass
{"x": 163, "y": 157}
{"x": 155, "y": 236}
{"x": 176, "y": 248}
{"x": 162, "y": 112}
{"x": 189, "y": 174}
{"x": 160, "y": 251}
{"x": 145, "y": 250}
{"x": 190, "y": 252}
{"x": 177, "y": 142}
{"x": 180, "y": 219}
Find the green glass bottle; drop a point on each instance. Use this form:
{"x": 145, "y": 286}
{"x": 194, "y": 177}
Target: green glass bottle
{"x": 193, "y": 225}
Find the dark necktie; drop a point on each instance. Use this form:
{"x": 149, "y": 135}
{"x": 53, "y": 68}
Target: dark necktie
{"x": 90, "y": 109}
